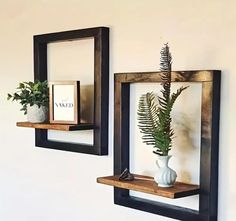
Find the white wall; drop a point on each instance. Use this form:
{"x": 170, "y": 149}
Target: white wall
{"x": 40, "y": 184}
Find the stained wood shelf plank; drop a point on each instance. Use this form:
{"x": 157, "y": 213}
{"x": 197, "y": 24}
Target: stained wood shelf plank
{"x": 146, "y": 184}
{"x": 63, "y": 127}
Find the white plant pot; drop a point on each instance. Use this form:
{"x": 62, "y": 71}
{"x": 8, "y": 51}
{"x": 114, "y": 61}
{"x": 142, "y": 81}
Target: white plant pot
{"x": 165, "y": 176}
{"x": 37, "y": 114}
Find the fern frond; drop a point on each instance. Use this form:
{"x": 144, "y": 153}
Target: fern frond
{"x": 147, "y": 117}
{"x": 175, "y": 95}
{"x": 166, "y": 59}
{"x": 154, "y": 113}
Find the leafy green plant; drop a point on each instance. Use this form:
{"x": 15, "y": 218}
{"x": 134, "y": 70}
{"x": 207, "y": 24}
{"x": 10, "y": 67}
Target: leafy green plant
{"x": 30, "y": 93}
{"x": 154, "y": 112}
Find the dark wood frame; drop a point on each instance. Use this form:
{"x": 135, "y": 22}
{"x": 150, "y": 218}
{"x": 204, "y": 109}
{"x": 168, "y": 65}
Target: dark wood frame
{"x": 76, "y": 107}
{"x": 208, "y": 197}
{"x": 101, "y": 87}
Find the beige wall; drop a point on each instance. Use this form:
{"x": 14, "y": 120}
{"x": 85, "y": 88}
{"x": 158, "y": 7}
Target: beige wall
{"x": 48, "y": 185}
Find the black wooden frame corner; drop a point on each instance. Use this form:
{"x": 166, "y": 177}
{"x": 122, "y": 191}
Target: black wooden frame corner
{"x": 208, "y": 198}
{"x": 101, "y": 87}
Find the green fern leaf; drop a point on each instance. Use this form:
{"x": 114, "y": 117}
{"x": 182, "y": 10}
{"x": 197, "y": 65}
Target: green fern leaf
{"x": 154, "y": 113}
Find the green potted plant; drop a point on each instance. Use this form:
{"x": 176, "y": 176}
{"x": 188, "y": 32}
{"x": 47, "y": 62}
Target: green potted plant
{"x": 34, "y": 98}
{"x": 154, "y": 120}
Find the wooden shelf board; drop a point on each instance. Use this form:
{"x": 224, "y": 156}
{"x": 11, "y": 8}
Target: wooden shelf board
{"x": 64, "y": 127}
{"x": 147, "y": 184}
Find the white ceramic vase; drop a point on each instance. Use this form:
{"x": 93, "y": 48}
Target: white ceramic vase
{"x": 165, "y": 176}
{"x": 37, "y": 114}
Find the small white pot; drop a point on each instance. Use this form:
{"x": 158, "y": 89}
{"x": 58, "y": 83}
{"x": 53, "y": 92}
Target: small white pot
{"x": 165, "y": 176}
{"x": 37, "y": 114}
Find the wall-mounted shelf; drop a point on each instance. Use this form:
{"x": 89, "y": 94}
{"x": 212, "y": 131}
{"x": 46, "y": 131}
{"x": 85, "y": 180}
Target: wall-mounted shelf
{"x": 63, "y": 127}
{"x": 99, "y": 121}
{"x": 208, "y": 182}
{"x": 147, "y": 184}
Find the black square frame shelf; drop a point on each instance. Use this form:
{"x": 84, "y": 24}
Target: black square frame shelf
{"x": 101, "y": 87}
{"x": 208, "y": 195}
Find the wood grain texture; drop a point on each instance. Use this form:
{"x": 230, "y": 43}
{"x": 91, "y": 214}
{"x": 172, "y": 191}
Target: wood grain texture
{"x": 210, "y": 106}
{"x": 176, "y": 76}
{"x": 63, "y": 127}
{"x": 147, "y": 184}
{"x": 101, "y": 87}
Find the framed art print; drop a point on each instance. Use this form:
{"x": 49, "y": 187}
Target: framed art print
{"x": 64, "y": 102}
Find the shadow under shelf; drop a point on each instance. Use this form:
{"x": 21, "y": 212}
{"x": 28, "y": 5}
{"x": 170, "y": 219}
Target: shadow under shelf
{"x": 147, "y": 184}
{"x": 62, "y": 127}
